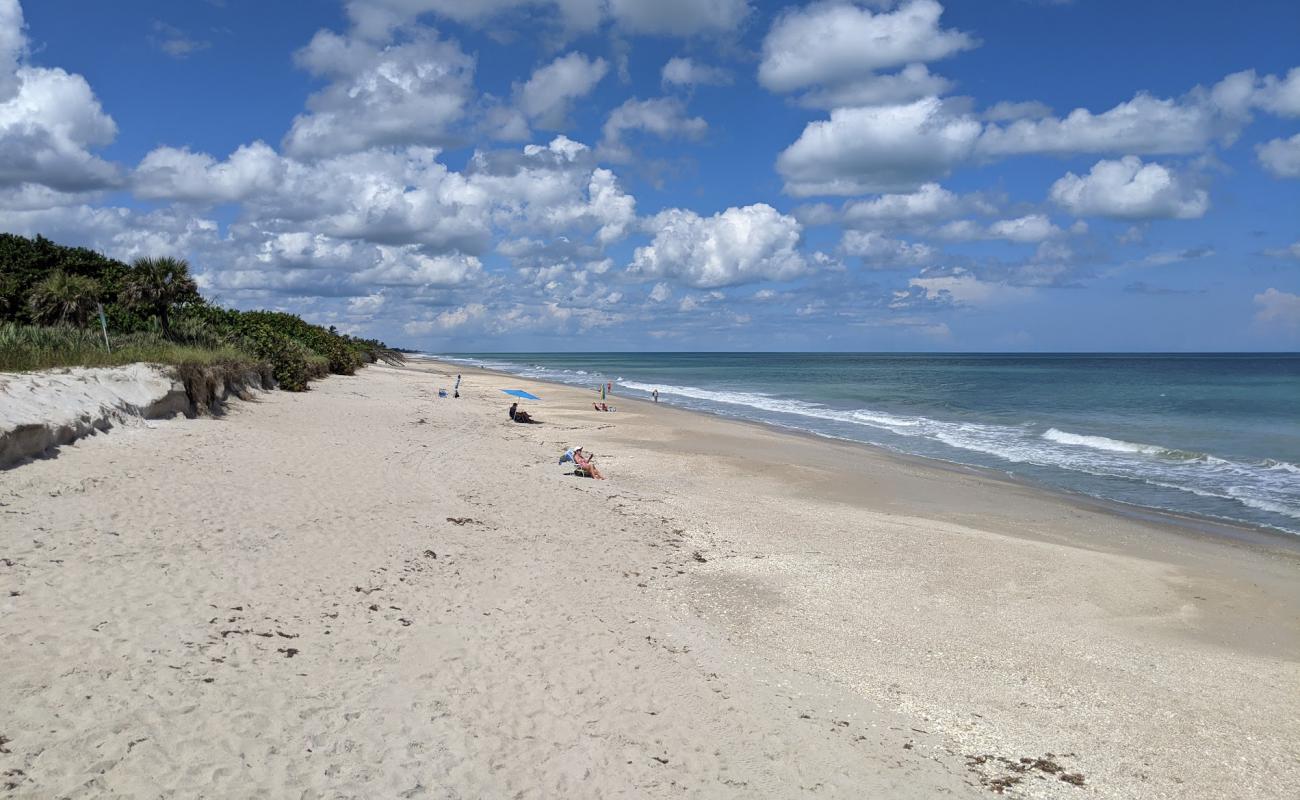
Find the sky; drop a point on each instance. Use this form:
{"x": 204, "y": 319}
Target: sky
{"x": 546, "y": 175}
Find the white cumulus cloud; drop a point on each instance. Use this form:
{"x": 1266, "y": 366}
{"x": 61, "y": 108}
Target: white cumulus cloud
{"x": 409, "y": 93}
{"x": 1280, "y": 96}
{"x": 898, "y": 147}
{"x": 962, "y": 288}
{"x": 1143, "y": 125}
{"x": 664, "y": 117}
{"x": 910, "y": 83}
{"x": 179, "y": 174}
{"x": 1281, "y": 156}
{"x": 877, "y": 249}
{"x": 1030, "y": 228}
{"x": 1277, "y": 307}
{"x": 877, "y": 149}
{"x": 13, "y": 46}
{"x": 50, "y": 120}
{"x": 548, "y": 94}
{"x": 687, "y": 72}
{"x": 678, "y": 17}
{"x": 930, "y": 201}
{"x": 834, "y": 42}
{"x": 739, "y": 245}
{"x": 1130, "y": 189}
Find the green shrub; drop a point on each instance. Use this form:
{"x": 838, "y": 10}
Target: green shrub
{"x": 61, "y": 299}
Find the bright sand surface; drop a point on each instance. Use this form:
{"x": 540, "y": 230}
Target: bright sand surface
{"x": 368, "y": 591}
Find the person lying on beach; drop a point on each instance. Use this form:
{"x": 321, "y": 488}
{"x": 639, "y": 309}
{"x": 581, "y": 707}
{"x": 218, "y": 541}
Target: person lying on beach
{"x": 601, "y": 407}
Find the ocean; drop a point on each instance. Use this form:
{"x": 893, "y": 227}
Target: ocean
{"x": 1209, "y": 435}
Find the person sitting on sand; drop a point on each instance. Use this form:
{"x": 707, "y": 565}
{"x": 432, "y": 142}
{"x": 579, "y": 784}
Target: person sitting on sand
{"x": 587, "y": 464}
{"x": 520, "y": 416}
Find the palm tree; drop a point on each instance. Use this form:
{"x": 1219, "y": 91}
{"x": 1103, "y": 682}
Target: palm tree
{"x": 155, "y": 285}
{"x": 62, "y": 298}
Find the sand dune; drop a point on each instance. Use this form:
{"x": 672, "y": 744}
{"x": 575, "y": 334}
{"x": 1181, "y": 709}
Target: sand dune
{"x": 366, "y": 591}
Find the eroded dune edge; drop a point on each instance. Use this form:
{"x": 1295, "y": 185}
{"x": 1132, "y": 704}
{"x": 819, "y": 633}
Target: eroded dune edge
{"x": 40, "y": 411}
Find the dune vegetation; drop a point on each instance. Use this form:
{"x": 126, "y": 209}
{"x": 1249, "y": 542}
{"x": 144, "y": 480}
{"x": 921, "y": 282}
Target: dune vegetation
{"x": 51, "y": 298}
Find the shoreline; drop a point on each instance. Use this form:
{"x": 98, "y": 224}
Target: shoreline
{"x": 367, "y": 590}
{"x": 1185, "y": 523}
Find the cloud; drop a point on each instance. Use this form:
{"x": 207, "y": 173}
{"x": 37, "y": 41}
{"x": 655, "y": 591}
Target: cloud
{"x": 739, "y": 245}
{"x": 836, "y": 43}
{"x": 1007, "y": 110}
{"x": 1142, "y": 125}
{"x": 409, "y": 93}
{"x": 1280, "y": 96}
{"x": 898, "y": 147}
{"x": 367, "y": 305}
{"x": 1130, "y": 189}
{"x": 50, "y": 120}
{"x": 961, "y": 288}
{"x": 678, "y": 17}
{"x": 1281, "y": 157}
{"x": 664, "y": 116}
{"x": 385, "y": 196}
{"x": 912, "y": 82}
{"x": 878, "y": 149}
{"x": 348, "y": 225}
{"x": 13, "y": 47}
{"x": 686, "y": 72}
{"x": 547, "y": 96}
{"x": 174, "y": 42}
{"x": 179, "y": 174}
{"x": 376, "y": 19}
{"x": 1280, "y": 308}
{"x": 407, "y": 266}
{"x": 47, "y": 129}
{"x": 1290, "y": 251}
{"x": 1149, "y": 125}
{"x": 1028, "y": 229}
{"x": 460, "y": 317}
{"x": 879, "y": 250}
{"x": 551, "y": 190}
{"x": 929, "y": 202}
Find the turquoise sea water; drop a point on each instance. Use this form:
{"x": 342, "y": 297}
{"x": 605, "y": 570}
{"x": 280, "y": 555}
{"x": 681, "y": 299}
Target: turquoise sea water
{"x": 1211, "y": 435}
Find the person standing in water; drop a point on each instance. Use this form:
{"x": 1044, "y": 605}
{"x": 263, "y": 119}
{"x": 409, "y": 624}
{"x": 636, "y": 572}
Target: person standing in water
{"x": 655, "y": 394}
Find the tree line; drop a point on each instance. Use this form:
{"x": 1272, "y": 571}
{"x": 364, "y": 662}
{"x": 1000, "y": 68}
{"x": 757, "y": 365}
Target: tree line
{"x": 50, "y": 293}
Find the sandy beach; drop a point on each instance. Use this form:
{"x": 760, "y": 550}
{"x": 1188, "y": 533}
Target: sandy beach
{"x": 369, "y": 591}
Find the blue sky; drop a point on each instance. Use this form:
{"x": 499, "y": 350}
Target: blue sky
{"x": 681, "y": 174}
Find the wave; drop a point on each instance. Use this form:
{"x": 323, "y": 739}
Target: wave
{"x": 1101, "y": 443}
{"x": 1266, "y": 486}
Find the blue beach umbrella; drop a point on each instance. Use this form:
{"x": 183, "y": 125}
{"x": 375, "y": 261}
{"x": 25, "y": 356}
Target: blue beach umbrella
{"x": 521, "y": 394}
